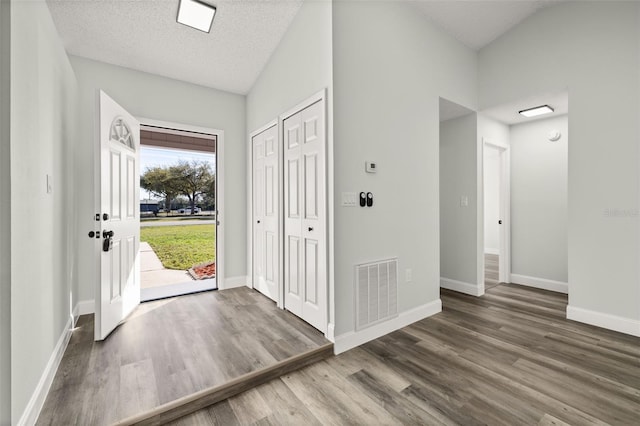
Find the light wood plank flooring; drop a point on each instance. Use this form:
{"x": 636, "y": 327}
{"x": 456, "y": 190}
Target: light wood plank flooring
{"x": 491, "y": 271}
{"x": 169, "y": 349}
{"x": 507, "y": 358}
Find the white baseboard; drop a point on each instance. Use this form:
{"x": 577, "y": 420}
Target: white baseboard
{"x": 234, "y": 282}
{"x": 542, "y": 283}
{"x": 492, "y": 251}
{"x": 84, "y": 307}
{"x": 352, "y": 339}
{"x": 32, "y": 411}
{"x": 608, "y": 321}
{"x": 462, "y": 287}
{"x": 331, "y": 332}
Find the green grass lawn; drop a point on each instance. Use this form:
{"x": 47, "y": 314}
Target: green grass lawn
{"x": 181, "y": 247}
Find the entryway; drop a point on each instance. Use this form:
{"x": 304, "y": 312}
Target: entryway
{"x": 119, "y": 210}
{"x": 178, "y": 178}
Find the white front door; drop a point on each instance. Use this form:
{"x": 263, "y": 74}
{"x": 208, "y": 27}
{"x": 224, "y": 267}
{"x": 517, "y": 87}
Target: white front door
{"x": 265, "y": 213}
{"x": 119, "y": 216}
{"x": 305, "y": 231}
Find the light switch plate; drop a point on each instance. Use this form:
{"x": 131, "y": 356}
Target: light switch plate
{"x": 349, "y": 199}
{"x": 464, "y": 201}
{"x": 408, "y": 275}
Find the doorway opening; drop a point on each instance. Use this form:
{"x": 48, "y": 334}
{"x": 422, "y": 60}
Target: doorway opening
{"x": 496, "y": 213}
{"x": 178, "y": 212}
{"x": 525, "y": 191}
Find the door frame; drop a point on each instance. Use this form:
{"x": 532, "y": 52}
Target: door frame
{"x": 168, "y": 125}
{"x": 504, "y": 268}
{"x": 329, "y": 217}
{"x": 250, "y": 219}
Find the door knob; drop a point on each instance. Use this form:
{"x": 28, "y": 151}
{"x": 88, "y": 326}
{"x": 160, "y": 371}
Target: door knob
{"x": 310, "y": 228}
{"x": 258, "y": 221}
{"x": 499, "y": 222}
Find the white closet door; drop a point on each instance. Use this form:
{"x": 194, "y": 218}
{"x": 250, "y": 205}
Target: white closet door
{"x": 265, "y": 213}
{"x": 305, "y": 215}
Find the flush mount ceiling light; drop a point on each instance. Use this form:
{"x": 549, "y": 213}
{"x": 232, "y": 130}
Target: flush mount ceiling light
{"x": 539, "y": 110}
{"x": 196, "y": 14}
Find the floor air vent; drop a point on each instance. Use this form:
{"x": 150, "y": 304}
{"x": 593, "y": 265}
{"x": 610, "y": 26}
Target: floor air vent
{"x": 377, "y": 292}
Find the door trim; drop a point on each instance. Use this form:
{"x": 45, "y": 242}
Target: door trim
{"x": 504, "y": 274}
{"x": 169, "y": 125}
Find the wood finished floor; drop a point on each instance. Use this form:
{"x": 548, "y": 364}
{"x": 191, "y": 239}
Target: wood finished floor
{"x": 507, "y": 358}
{"x": 169, "y": 349}
{"x": 491, "y": 270}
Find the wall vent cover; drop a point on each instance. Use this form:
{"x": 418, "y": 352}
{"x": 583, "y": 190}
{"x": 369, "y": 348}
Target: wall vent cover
{"x": 376, "y": 292}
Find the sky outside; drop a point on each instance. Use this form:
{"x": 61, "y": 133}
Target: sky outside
{"x": 159, "y": 157}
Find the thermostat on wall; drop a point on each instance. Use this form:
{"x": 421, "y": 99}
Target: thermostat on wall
{"x": 370, "y": 167}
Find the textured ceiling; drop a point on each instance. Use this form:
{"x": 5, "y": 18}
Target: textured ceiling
{"x": 144, "y": 35}
{"x": 477, "y": 23}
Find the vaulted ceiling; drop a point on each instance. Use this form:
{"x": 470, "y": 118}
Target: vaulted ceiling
{"x": 143, "y": 34}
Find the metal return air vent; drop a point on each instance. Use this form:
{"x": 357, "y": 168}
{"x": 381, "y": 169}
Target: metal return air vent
{"x": 376, "y": 292}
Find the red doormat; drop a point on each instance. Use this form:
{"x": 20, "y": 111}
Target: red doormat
{"x": 203, "y": 271}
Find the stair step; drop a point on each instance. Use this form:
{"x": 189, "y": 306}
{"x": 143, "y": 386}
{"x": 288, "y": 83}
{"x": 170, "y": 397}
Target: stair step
{"x": 189, "y": 404}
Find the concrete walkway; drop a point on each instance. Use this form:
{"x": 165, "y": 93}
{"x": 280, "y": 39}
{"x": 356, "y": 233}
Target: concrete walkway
{"x": 184, "y": 222}
{"x": 153, "y": 274}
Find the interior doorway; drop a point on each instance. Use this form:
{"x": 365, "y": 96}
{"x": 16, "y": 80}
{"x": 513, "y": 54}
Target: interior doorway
{"x": 496, "y": 213}
{"x": 179, "y": 204}
{"x": 525, "y": 146}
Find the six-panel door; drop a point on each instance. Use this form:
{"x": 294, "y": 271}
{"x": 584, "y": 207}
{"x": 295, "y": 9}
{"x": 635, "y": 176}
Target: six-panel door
{"x": 305, "y": 276}
{"x": 266, "y": 200}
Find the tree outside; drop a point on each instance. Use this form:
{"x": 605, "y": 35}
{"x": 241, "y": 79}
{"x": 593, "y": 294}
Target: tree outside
{"x": 194, "y": 180}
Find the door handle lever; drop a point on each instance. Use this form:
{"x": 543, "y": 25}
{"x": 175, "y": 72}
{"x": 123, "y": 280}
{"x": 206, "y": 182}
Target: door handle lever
{"x": 107, "y": 243}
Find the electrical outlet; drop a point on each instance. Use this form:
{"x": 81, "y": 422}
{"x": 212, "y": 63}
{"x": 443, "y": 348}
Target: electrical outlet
{"x": 408, "y": 274}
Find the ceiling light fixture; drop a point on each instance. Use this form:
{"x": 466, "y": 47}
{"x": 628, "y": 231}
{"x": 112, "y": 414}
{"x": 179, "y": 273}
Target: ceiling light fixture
{"x": 196, "y": 14}
{"x": 539, "y": 110}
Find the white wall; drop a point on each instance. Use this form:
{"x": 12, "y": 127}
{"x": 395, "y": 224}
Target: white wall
{"x": 390, "y": 67}
{"x": 160, "y": 98}
{"x": 43, "y": 120}
{"x": 458, "y": 224}
{"x": 297, "y": 69}
{"x": 591, "y": 48}
{"x": 5, "y": 218}
{"x": 492, "y": 171}
{"x": 539, "y": 200}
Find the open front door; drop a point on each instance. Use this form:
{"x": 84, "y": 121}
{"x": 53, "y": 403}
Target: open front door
{"x": 119, "y": 215}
